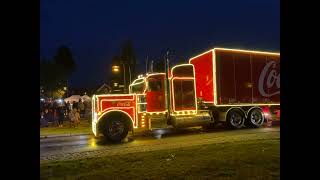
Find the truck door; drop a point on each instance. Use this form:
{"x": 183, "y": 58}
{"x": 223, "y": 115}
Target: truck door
{"x": 183, "y": 88}
{"x": 155, "y": 93}
{"x": 184, "y": 94}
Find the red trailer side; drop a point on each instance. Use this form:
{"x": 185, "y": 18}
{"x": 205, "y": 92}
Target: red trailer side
{"x": 237, "y": 77}
{"x": 203, "y": 68}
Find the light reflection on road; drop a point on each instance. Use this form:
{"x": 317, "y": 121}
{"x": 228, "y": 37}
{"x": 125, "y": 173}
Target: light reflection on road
{"x": 82, "y": 143}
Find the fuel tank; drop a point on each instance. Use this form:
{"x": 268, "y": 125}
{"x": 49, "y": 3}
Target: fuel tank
{"x": 182, "y": 121}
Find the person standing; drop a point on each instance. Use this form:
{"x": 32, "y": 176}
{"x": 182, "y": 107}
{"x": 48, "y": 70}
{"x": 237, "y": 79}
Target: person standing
{"x": 55, "y": 116}
{"x": 50, "y": 113}
{"x": 85, "y": 103}
{"x": 41, "y": 118}
{"x": 61, "y": 115}
{"x": 67, "y": 107}
{"x": 81, "y": 107}
{"x": 74, "y": 105}
{"x": 77, "y": 117}
{"x": 45, "y": 118}
{"x": 72, "y": 118}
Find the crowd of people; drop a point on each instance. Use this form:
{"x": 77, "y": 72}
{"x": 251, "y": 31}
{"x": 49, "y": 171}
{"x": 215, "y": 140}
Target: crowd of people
{"x": 55, "y": 112}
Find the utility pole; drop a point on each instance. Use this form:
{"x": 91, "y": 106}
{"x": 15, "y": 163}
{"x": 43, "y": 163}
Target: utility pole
{"x": 130, "y": 62}
{"x": 147, "y": 64}
{"x": 124, "y": 78}
{"x": 151, "y": 68}
{"x": 129, "y": 73}
{"x": 167, "y": 88}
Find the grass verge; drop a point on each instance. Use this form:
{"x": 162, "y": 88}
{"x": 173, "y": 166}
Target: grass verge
{"x": 254, "y": 159}
{"x": 84, "y": 127}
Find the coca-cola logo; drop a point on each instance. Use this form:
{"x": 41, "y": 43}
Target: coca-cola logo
{"x": 123, "y": 104}
{"x": 270, "y": 78}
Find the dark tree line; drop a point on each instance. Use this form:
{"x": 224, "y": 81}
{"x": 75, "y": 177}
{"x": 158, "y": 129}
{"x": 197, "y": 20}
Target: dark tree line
{"x": 126, "y": 60}
{"x": 54, "y": 73}
{"x": 159, "y": 64}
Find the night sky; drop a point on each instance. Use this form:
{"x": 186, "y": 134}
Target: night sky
{"x": 95, "y": 29}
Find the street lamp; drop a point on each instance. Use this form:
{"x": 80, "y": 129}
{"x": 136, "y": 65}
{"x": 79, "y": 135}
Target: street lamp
{"x": 116, "y": 69}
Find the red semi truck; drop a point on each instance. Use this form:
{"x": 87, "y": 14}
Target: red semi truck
{"x": 240, "y": 88}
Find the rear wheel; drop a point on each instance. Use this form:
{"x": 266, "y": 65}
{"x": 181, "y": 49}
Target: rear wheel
{"x": 235, "y": 119}
{"x": 255, "y": 118}
{"x": 116, "y": 129}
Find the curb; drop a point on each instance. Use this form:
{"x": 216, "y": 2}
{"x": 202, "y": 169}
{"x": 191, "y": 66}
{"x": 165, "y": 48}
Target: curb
{"x": 63, "y": 135}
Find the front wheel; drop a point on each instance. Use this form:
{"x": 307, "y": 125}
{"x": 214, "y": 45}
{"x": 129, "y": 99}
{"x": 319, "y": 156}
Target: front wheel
{"x": 255, "y": 118}
{"x": 235, "y": 119}
{"x": 116, "y": 130}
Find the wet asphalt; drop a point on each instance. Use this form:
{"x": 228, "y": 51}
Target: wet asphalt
{"x": 82, "y": 146}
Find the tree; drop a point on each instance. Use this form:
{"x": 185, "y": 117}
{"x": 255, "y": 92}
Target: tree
{"x": 58, "y": 93}
{"x": 128, "y": 56}
{"x": 44, "y": 64}
{"x": 64, "y": 63}
{"x": 181, "y": 60}
{"x": 116, "y": 61}
{"x": 159, "y": 66}
{"x": 48, "y": 78}
{"x": 54, "y": 74}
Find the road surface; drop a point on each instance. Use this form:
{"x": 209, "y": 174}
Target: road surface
{"x": 86, "y": 146}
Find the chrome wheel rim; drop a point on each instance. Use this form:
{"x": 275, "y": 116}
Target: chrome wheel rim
{"x": 256, "y": 117}
{"x": 236, "y": 119}
{"x": 116, "y": 128}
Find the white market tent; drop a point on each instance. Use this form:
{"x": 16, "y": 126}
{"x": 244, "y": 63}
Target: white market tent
{"x": 86, "y": 98}
{"x": 73, "y": 98}
{"x": 76, "y": 98}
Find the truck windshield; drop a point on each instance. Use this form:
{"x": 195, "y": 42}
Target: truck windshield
{"x": 138, "y": 87}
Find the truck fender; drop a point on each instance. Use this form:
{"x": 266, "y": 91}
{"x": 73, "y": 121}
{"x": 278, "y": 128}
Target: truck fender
{"x": 111, "y": 113}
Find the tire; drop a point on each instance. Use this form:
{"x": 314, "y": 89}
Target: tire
{"x": 235, "y": 119}
{"x": 116, "y": 129}
{"x": 255, "y": 118}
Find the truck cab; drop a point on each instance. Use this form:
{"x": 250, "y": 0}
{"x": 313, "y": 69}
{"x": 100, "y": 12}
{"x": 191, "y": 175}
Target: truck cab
{"x": 133, "y": 111}
{"x": 149, "y": 105}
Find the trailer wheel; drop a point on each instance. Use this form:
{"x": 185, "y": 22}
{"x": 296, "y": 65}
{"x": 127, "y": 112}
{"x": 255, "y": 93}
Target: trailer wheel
{"x": 235, "y": 119}
{"x": 255, "y": 118}
{"x": 116, "y": 129}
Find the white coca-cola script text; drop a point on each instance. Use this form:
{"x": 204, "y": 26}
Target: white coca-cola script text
{"x": 269, "y": 77}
